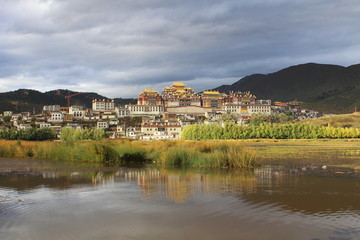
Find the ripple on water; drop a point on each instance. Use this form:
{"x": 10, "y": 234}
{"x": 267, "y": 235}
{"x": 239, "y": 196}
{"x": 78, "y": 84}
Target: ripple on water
{"x": 181, "y": 206}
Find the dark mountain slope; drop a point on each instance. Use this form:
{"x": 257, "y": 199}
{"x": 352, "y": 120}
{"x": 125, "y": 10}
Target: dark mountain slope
{"x": 320, "y": 85}
{"x": 26, "y": 100}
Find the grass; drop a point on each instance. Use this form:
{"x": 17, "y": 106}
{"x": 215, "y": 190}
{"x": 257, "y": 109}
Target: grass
{"x": 341, "y": 120}
{"x": 162, "y": 153}
{"x": 203, "y": 154}
{"x": 337, "y": 152}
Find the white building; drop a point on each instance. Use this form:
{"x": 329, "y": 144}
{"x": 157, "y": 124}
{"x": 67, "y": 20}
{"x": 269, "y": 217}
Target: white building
{"x": 56, "y": 117}
{"x": 235, "y": 108}
{"x": 45, "y": 125}
{"x": 103, "y": 105}
{"x": 259, "y": 109}
{"x": 8, "y": 113}
{"x": 102, "y": 125}
{"x": 133, "y": 132}
{"x": 122, "y": 112}
{"x": 113, "y": 122}
{"x": 158, "y": 136}
{"x": 77, "y": 112}
{"x": 15, "y": 117}
{"x": 120, "y": 131}
{"x": 161, "y": 128}
{"x": 145, "y": 109}
{"x": 108, "y": 115}
{"x": 263, "y": 102}
{"x": 247, "y": 110}
{"x": 51, "y": 108}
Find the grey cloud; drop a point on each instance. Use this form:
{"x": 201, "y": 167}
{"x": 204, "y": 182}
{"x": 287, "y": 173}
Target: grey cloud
{"x": 119, "y": 47}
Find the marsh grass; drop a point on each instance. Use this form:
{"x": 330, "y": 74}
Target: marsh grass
{"x": 181, "y": 154}
{"x": 202, "y": 154}
{"x": 300, "y": 152}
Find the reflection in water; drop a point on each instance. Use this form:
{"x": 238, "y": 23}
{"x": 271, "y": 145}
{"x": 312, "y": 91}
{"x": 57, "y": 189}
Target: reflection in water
{"x": 92, "y": 202}
{"x": 179, "y": 186}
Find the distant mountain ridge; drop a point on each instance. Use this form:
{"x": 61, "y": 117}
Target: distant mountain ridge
{"x": 324, "y": 87}
{"x": 27, "y": 100}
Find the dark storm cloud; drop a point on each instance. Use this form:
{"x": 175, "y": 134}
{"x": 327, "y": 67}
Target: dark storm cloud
{"x": 117, "y": 48}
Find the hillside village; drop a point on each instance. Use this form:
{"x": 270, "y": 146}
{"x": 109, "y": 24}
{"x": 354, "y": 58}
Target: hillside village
{"x": 155, "y": 116}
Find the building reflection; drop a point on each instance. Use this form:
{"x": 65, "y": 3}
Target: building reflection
{"x": 181, "y": 185}
{"x": 306, "y": 189}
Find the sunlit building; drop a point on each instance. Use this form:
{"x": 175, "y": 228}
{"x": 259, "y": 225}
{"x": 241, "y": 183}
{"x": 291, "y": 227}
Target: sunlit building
{"x": 145, "y": 109}
{"x": 172, "y": 128}
{"x": 240, "y": 98}
{"x": 178, "y": 95}
{"x": 51, "y": 108}
{"x": 150, "y": 97}
{"x": 56, "y": 117}
{"x": 103, "y": 105}
{"x": 212, "y": 99}
{"x": 263, "y": 109}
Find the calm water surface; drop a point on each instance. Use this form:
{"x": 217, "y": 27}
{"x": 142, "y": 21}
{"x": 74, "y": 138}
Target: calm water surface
{"x": 40, "y": 200}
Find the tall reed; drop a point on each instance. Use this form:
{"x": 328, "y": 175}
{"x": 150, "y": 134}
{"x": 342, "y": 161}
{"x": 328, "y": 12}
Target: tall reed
{"x": 162, "y": 153}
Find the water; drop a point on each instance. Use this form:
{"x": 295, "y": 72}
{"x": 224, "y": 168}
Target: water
{"x": 41, "y": 200}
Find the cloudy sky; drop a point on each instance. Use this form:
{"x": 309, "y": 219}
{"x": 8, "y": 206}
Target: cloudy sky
{"x": 119, "y": 47}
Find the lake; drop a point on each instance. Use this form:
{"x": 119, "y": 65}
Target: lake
{"x": 62, "y": 200}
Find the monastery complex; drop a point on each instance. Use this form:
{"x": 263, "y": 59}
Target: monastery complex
{"x": 156, "y": 115}
{"x": 180, "y": 99}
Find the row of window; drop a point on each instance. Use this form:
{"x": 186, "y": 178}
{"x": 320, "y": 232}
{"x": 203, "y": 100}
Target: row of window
{"x": 155, "y": 129}
{"x": 146, "y": 109}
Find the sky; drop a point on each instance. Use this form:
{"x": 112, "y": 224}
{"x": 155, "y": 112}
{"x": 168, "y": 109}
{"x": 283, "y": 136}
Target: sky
{"x": 119, "y": 47}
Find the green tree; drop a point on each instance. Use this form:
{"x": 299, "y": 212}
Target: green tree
{"x": 6, "y": 119}
{"x": 233, "y": 117}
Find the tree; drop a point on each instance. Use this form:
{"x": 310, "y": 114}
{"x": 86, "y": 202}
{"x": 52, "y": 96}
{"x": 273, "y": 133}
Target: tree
{"x": 233, "y": 117}
{"x": 6, "y": 119}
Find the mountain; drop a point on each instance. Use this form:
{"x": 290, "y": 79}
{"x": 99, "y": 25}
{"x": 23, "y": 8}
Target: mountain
{"x": 27, "y": 100}
{"x": 327, "y": 88}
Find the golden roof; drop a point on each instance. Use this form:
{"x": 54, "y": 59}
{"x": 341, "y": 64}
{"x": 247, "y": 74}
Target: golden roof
{"x": 149, "y": 90}
{"x": 212, "y": 92}
{"x": 178, "y": 84}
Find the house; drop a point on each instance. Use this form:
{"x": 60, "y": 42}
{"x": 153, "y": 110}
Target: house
{"x": 51, "y": 108}
{"x": 157, "y": 136}
{"x": 45, "y": 125}
{"x": 8, "y": 113}
{"x": 102, "y": 125}
{"x": 133, "y": 132}
{"x": 56, "y": 117}
{"x": 77, "y": 112}
{"x": 113, "y": 122}
{"x": 171, "y": 128}
{"x": 122, "y": 112}
{"x": 120, "y": 131}
{"x": 145, "y": 109}
{"x": 108, "y": 115}
{"x": 68, "y": 117}
{"x": 103, "y": 105}
{"x": 259, "y": 109}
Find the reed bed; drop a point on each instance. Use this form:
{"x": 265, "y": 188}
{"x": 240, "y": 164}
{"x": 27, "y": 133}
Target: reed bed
{"x": 178, "y": 153}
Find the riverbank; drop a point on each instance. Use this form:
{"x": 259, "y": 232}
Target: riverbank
{"x": 216, "y": 154}
{"x": 180, "y": 153}
{"x": 307, "y": 152}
